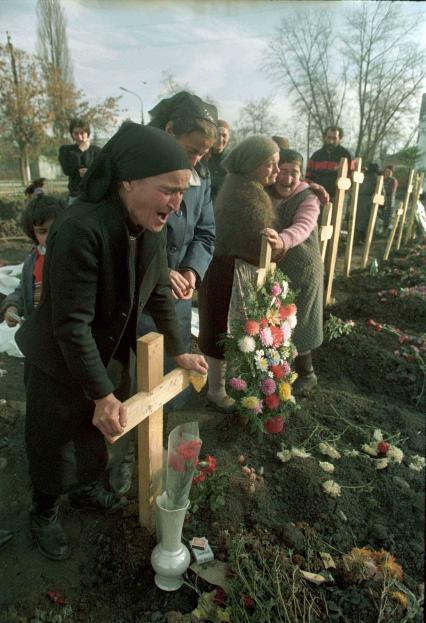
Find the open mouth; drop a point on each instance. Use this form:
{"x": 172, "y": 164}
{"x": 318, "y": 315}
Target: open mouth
{"x": 163, "y": 216}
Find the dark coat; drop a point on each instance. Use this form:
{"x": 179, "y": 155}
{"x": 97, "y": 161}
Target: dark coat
{"x": 89, "y": 293}
{"x": 71, "y": 159}
{"x": 242, "y": 210}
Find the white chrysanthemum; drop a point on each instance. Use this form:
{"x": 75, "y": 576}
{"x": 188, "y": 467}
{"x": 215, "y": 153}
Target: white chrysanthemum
{"x": 378, "y": 435}
{"x": 329, "y": 450}
{"x": 262, "y": 364}
{"x": 417, "y": 463}
{"x": 292, "y": 320}
{"x": 382, "y": 463}
{"x": 371, "y": 450}
{"x": 394, "y": 454}
{"x": 284, "y": 455}
{"x": 284, "y": 285}
{"x": 332, "y": 488}
{"x": 327, "y": 467}
{"x": 300, "y": 453}
{"x": 246, "y": 344}
{"x": 351, "y": 452}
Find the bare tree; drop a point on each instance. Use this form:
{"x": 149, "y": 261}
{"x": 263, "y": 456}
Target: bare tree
{"x": 299, "y": 61}
{"x": 387, "y": 68}
{"x": 255, "y": 117}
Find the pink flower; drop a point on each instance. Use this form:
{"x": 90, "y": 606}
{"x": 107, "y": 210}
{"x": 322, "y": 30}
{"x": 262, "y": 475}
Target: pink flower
{"x": 266, "y": 337}
{"x": 286, "y": 330}
{"x": 177, "y": 462}
{"x": 238, "y": 384}
{"x": 276, "y": 289}
{"x": 268, "y": 386}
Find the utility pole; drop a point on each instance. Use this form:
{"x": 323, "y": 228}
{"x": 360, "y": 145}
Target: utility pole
{"x": 139, "y": 98}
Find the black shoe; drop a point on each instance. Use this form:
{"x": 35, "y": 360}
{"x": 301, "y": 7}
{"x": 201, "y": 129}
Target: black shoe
{"x": 120, "y": 477}
{"x": 94, "y": 498}
{"x": 5, "y": 538}
{"x": 304, "y": 384}
{"x": 49, "y": 535}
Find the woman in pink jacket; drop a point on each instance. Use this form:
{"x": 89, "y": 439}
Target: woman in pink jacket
{"x": 297, "y": 253}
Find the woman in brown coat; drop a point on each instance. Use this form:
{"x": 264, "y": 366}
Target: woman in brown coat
{"x": 242, "y": 210}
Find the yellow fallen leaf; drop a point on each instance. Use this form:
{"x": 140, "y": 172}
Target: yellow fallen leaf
{"x": 327, "y": 560}
{"x": 197, "y": 380}
{"x": 315, "y": 578}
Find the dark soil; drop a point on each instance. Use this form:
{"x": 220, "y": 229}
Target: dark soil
{"x": 363, "y": 385}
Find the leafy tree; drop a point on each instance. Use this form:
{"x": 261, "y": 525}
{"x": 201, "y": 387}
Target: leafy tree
{"x": 23, "y": 111}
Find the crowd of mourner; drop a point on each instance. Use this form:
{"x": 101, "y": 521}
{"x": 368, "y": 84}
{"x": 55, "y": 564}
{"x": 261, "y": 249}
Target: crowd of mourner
{"x": 160, "y": 212}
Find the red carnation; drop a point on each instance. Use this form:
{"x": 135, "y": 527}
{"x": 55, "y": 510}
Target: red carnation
{"x": 277, "y": 336}
{"x": 248, "y": 601}
{"x": 277, "y": 371}
{"x": 200, "y": 478}
{"x": 252, "y": 327}
{"x": 272, "y": 401}
{"x": 383, "y": 447}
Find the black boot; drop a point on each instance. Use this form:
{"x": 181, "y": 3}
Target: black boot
{"x": 307, "y": 379}
{"x": 95, "y": 497}
{"x": 49, "y": 535}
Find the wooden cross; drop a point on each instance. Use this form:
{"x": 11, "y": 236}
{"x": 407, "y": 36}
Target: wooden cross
{"x": 392, "y": 233}
{"x": 343, "y": 184}
{"x": 378, "y": 199}
{"x": 326, "y": 229}
{"x": 265, "y": 264}
{"x": 418, "y": 189}
{"x": 405, "y": 208}
{"x": 145, "y": 410}
{"x": 357, "y": 179}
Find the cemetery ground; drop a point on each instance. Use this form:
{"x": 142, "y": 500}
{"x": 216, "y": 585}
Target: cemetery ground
{"x": 269, "y": 519}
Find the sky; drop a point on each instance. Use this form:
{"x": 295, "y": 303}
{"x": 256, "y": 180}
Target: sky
{"x": 214, "y": 46}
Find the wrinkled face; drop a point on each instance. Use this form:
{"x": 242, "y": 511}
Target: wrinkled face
{"x": 222, "y": 140}
{"x": 332, "y": 138}
{"x": 267, "y": 173}
{"x": 387, "y": 172}
{"x": 288, "y": 179}
{"x": 150, "y": 201}
{"x": 196, "y": 145}
{"x": 41, "y": 231}
{"x": 80, "y": 136}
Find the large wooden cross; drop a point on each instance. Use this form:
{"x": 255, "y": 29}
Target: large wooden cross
{"x": 357, "y": 179}
{"x": 397, "y": 217}
{"x": 405, "y": 208}
{"x": 343, "y": 184}
{"x": 378, "y": 199}
{"x": 145, "y": 410}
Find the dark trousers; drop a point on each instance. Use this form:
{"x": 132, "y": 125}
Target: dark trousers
{"x": 64, "y": 449}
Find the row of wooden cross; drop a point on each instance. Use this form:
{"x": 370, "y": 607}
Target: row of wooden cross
{"x": 145, "y": 409}
{"x": 331, "y": 222}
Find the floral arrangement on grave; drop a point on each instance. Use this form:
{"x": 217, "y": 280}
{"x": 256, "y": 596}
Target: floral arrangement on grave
{"x": 182, "y": 461}
{"x": 259, "y": 354}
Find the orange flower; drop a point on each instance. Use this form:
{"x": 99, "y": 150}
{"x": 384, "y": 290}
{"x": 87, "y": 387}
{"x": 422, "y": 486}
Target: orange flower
{"x": 388, "y": 565}
{"x": 400, "y": 598}
{"x": 252, "y": 327}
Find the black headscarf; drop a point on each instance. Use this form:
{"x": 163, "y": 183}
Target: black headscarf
{"x": 133, "y": 153}
{"x": 182, "y": 105}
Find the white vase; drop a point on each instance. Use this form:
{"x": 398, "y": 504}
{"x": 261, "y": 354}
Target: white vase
{"x": 170, "y": 558}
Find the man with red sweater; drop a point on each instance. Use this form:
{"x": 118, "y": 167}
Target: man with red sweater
{"x": 324, "y": 163}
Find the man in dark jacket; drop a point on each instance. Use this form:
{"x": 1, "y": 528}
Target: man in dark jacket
{"x": 216, "y": 155}
{"x": 75, "y": 159}
{"x": 106, "y": 261}
{"x": 324, "y": 163}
